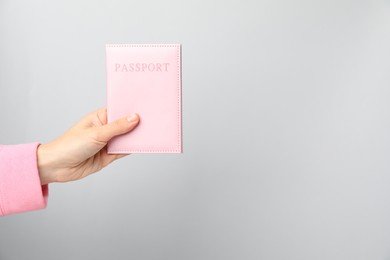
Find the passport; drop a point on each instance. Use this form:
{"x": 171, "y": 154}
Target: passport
{"x": 145, "y": 79}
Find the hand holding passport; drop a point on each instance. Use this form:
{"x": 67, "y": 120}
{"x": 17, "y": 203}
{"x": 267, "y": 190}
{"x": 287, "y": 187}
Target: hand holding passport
{"x": 141, "y": 79}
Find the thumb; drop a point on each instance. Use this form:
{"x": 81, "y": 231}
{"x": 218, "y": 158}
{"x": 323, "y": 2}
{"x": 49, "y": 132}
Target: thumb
{"x": 118, "y": 127}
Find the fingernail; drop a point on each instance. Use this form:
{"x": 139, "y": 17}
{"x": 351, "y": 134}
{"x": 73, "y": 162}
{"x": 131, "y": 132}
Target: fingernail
{"x": 132, "y": 118}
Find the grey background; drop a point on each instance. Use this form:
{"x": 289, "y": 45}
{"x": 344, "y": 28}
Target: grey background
{"x": 286, "y": 130}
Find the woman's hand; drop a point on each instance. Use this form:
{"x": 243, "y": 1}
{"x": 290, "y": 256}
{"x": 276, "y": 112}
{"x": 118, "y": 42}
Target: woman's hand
{"x": 82, "y": 149}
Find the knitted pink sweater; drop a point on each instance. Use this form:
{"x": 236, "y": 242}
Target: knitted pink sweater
{"x": 20, "y": 187}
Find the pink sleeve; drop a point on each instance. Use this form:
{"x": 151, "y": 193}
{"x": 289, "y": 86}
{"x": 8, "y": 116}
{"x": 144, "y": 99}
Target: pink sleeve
{"x": 20, "y": 186}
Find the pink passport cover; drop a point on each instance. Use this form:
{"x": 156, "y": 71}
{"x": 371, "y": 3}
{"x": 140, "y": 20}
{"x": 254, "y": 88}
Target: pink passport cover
{"x": 145, "y": 79}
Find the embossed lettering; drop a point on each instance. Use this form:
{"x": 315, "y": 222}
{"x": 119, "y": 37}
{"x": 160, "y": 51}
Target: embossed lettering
{"x": 141, "y": 67}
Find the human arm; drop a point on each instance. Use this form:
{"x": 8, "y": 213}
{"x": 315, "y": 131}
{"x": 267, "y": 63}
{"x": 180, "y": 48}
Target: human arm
{"x": 27, "y": 169}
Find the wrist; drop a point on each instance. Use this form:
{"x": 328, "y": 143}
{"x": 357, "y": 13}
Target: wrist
{"x": 45, "y": 164}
